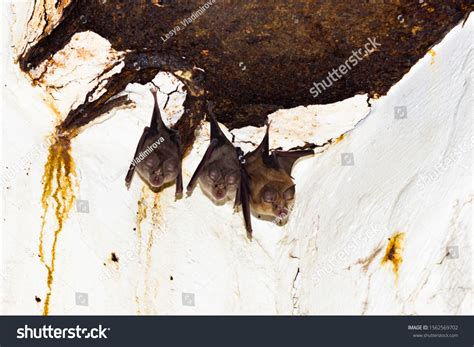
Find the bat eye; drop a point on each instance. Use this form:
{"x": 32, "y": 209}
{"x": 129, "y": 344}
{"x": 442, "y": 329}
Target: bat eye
{"x": 289, "y": 194}
{"x": 232, "y": 179}
{"x": 149, "y": 162}
{"x": 171, "y": 165}
{"x": 269, "y": 196}
{"x": 213, "y": 174}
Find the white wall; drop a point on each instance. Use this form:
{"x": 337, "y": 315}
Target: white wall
{"x": 204, "y": 248}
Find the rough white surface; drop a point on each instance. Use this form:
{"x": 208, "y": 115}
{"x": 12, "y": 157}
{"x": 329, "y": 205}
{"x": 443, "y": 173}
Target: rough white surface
{"x": 343, "y": 214}
{"x": 411, "y": 175}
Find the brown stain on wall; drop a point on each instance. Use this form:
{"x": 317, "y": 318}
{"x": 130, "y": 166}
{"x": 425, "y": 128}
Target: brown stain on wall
{"x": 393, "y": 252}
{"x": 156, "y": 219}
{"x": 59, "y": 181}
{"x": 340, "y": 138}
{"x": 141, "y": 211}
{"x": 432, "y": 52}
{"x": 144, "y": 305}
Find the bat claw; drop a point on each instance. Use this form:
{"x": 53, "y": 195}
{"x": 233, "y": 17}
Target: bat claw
{"x": 249, "y": 235}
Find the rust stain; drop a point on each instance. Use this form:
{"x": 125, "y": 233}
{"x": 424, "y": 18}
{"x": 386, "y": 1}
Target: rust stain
{"x": 432, "y": 52}
{"x": 83, "y": 53}
{"x": 155, "y": 220}
{"x": 156, "y": 212}
{"x": 141, "y": 211}
{"x": 339, "y": 139}
{"x": 52, "y": 106}
{"x": 142, "y": 214}
{"x": 393, "y": 253}
{"x": 59, "y": 181}
{"x": 365, "y": 262}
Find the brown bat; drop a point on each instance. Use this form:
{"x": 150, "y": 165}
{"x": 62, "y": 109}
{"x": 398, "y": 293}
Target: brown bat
{"x": 219, "y": 170}
{"x": 158, "y": 155}
{"x": 271, "y": 187}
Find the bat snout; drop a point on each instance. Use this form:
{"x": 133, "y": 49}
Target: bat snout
{"x": 220, "y": 193}
{"x": 157, "y": 179}
{"x": 281, "y": 210}
{"x": 282, "y": 213}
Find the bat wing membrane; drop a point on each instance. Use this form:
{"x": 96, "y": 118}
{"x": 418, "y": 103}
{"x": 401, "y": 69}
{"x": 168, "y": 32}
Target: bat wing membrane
{"x": 131, "y": 169}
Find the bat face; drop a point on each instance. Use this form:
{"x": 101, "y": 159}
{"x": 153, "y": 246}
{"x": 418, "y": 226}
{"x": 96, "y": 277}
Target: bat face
{"x": 220, "y": 177}
{"x": 158, "y": 155}
{"x": 159, "y": 167}
{"x": 275, "y": 199}
{"x": 272, "y": 191}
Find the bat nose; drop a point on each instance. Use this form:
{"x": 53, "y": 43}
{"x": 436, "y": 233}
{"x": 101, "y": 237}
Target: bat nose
{"x": 219, "y": 190}
{"x": 157, "y": 178}
{"x": 282, "y": 213}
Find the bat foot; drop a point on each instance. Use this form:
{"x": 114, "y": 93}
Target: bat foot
{"x": 249, "y": 235}
{"x": 178, "y": 196}
{"x": 189, "y": 191}
{"x": 153, "y": 90}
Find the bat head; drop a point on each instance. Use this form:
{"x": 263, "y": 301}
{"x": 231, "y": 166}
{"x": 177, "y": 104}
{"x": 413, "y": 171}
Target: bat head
{"x": 276, "y": 199}
{"x": 158, "y": 169}
{"x": 221, "y": 181}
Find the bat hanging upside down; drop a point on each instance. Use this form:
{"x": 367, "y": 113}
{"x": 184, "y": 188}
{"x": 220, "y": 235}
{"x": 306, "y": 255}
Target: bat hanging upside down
{"x": 158, "y": 155}
{"x": 270, "y": 185}
{"x": 260, "y": 181}
{"x": 219, "y": 170}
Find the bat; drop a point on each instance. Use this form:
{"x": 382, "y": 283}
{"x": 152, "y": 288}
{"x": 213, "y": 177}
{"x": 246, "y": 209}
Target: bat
{"x": 271, "y": 190}
{"x": 218, "y": 173}
{"x": 158, "y": 155}
{"x": 221, "y": 174}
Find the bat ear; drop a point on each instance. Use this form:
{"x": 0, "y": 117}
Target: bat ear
{"x": 265, "y": 144}
{"x": 216, "y": 131}
{"x": 156, "y": 120}
{"x": 286, "y": 159}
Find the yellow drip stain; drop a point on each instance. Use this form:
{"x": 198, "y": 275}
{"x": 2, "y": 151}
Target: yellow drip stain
{"x": 59, "y": 180}
{"x": 432, "y": 52}
{"x": 340, "y": 138}
{"x": 142, "y": 213}
{"x": 393, "y": 253}
{"x": 156, "y": 212}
